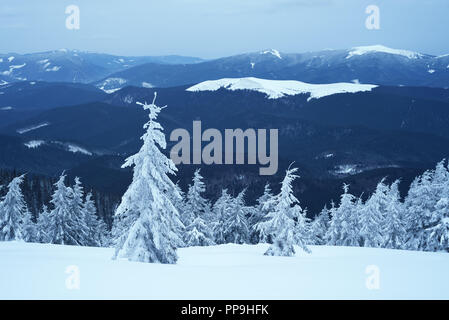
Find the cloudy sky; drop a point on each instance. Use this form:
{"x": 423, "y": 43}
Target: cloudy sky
{"x": 214, "y": 28}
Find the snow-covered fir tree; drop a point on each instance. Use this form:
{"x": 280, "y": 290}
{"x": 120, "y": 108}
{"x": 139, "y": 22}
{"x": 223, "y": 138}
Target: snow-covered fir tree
{"x": 258, "y": 213}
{"x": 96, "y": 228}
{"x": 236, "y": 228}
{"x": 151, "y": 220}
{"x": 198, "y": 233}
{"x": 419, "y": 206}
{"x": 42, "y": 225}
{"x": 319, "y": 227}
{"x": 29, "y": 228}
{"x": 372, "y": 215}
{"x": 179, "y": 201}
{"x": 394, "y": 224}
{"x": 439, "y": 233}
{"x": 344, "y": 226}
{"x": 281, "y": 221}
{"x": 198, "y": 225}
{"x": 302, "y": 230}
{"x": 65, "y": 226}
{"x": 13, "y": 210}
{"x": 77, "y": 212}
{"x": 221, "y": 210}
{"x": 196, "y": 205}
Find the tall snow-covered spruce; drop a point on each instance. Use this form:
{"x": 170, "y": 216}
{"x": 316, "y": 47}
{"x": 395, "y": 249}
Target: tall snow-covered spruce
{"x": 151, "y": 220}
{"x": 198, "y": 231}
{"x": 287, "y": 222}
{"x": 65, "y": 221}
{"x": 13, "y": 211}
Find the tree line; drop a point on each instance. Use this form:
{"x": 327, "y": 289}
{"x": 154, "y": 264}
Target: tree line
{"x": 155, "y": 217}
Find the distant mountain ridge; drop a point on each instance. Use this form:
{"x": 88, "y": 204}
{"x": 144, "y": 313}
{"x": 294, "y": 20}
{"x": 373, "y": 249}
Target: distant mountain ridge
{"x": 73, "y": 65}
{"x": 367, "y": 65}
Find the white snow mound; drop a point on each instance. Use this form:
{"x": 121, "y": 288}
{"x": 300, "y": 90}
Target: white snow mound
{"x": 275, "y": 89}
{"x": 358, "y": 51}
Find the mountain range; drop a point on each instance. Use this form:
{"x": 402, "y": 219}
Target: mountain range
{"x": 73, "y": 66}
{"x": 353, "y": 115}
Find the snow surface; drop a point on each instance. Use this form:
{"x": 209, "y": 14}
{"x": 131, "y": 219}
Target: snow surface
{"x": 111, "y": 85}
{"x": 273, "y": 52}
{"x": 147, "y": 85}
{"x": 347, "y": 169}
{"x": 77, "y": 149}
{"x": 53, "y": 69}
{"x": 38, "y": 271}
{"x": 275, "y": 89}
{"x": 33, "y": 144}
{"x": 12, "y": 68}
{"x": 358, "y": 51}
{"x": 34, "y": 127}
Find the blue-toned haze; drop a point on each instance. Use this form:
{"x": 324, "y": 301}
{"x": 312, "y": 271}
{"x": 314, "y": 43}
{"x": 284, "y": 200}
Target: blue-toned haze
{"x": 217, "y": 28}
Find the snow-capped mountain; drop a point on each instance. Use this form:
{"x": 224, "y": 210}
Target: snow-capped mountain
{"x": 279, "y": 88}
{"x": 368, "y": 65}
{"x": 72, "y": 65}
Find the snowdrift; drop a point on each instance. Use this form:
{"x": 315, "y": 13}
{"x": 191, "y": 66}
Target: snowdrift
{"x": 41, "y": 271}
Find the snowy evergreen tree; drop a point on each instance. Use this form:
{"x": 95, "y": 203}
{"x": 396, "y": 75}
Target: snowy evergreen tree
{"x": 198, "y": 233}
{"x": 42, "y": 226}
{"x": 65, "y": 225}
{"x": 120, "y": 227}
{"x": 76, "y": 195}
{"x": 196, "y": 205}
{"x": 258, "y": 214}
{"x": 302, "y": 230}
{"x": 236, "y": 228}
{"x": 440, "y": 182}
{"x": 319, "y": 227}
{"x": 281, "y": 221}
{"x": 394, "y": 223}
{"x": 439, "y": 233}
{"x": 152, "y": 221}
{"x": 29, "y": 228}
{"x": 13, "y": 211}
{"x": 96, "y": 228}
{"x": 221, "y": 211}
{"x": 179, "y": 201}
{"x": 419, "y": 207}
{"x": 372, "y": 215}
{"x": 344, "y": 226}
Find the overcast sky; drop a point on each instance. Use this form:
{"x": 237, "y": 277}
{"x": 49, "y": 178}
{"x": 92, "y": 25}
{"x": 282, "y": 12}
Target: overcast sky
{"x": 214, "y": 28}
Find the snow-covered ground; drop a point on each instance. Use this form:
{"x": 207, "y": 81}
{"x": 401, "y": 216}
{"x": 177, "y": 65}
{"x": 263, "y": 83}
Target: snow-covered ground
{"x": 359, "y": 51}
{"x": 275, "y": 89}
{"x": 38, "y": 271}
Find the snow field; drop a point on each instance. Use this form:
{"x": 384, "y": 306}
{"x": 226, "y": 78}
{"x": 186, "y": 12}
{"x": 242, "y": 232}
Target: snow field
{"x": 38, "y": 271}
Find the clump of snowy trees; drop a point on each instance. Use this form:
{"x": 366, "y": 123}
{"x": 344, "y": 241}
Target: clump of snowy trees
{"x": 420, "y": 222}
{"x": 71, "y": 220}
